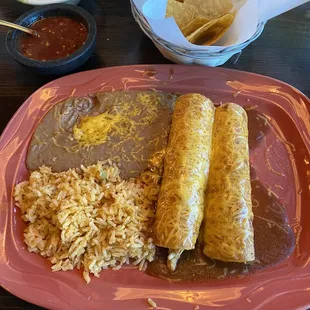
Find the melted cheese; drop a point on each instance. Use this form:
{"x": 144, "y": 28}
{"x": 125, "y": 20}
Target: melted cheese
{"x": 94, "y": 130}
{"x": 122, "y": 122}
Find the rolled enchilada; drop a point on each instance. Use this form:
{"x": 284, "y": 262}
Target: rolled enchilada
{"x": 181, "y": 200}
{"x": 228, "y": 230}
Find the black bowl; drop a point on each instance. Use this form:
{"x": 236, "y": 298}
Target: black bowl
{"x": 62, "y": 65}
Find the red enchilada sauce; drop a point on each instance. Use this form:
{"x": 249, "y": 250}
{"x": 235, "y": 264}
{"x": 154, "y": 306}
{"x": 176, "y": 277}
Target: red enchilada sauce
{"x": 58, "y": 37}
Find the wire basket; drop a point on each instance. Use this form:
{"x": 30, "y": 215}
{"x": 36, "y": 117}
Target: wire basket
{"x": 185, "y": 55}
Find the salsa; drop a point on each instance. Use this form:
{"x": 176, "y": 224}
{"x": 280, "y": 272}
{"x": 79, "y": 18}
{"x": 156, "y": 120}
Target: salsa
{"x": 58, "y": 37}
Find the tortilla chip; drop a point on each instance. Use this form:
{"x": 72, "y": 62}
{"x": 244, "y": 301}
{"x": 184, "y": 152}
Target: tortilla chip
{"x": 182, "y": 13}
{"x": 238, "y": 4}
{"x": 212, "y": 31}
{"x": 194, "y": 25}
{"x": 211, "y": 9}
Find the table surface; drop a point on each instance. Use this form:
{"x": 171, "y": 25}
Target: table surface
{"x": 282, "y": 52}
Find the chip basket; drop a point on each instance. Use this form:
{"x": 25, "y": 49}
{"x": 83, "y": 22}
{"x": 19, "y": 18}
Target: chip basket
{"x": 184, "y": 55}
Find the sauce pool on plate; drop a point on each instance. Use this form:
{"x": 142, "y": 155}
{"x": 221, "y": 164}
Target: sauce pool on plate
{"x": 58, "y": 37}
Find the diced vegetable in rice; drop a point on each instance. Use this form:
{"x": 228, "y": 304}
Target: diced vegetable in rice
{"x": 91, "y": 220}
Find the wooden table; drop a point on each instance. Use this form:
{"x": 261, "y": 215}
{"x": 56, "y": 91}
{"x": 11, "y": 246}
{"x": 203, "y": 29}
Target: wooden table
{"x": 282, "y": 52}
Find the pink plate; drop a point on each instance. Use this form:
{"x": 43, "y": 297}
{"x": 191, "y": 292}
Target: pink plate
{"x": 285, "y": 286}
